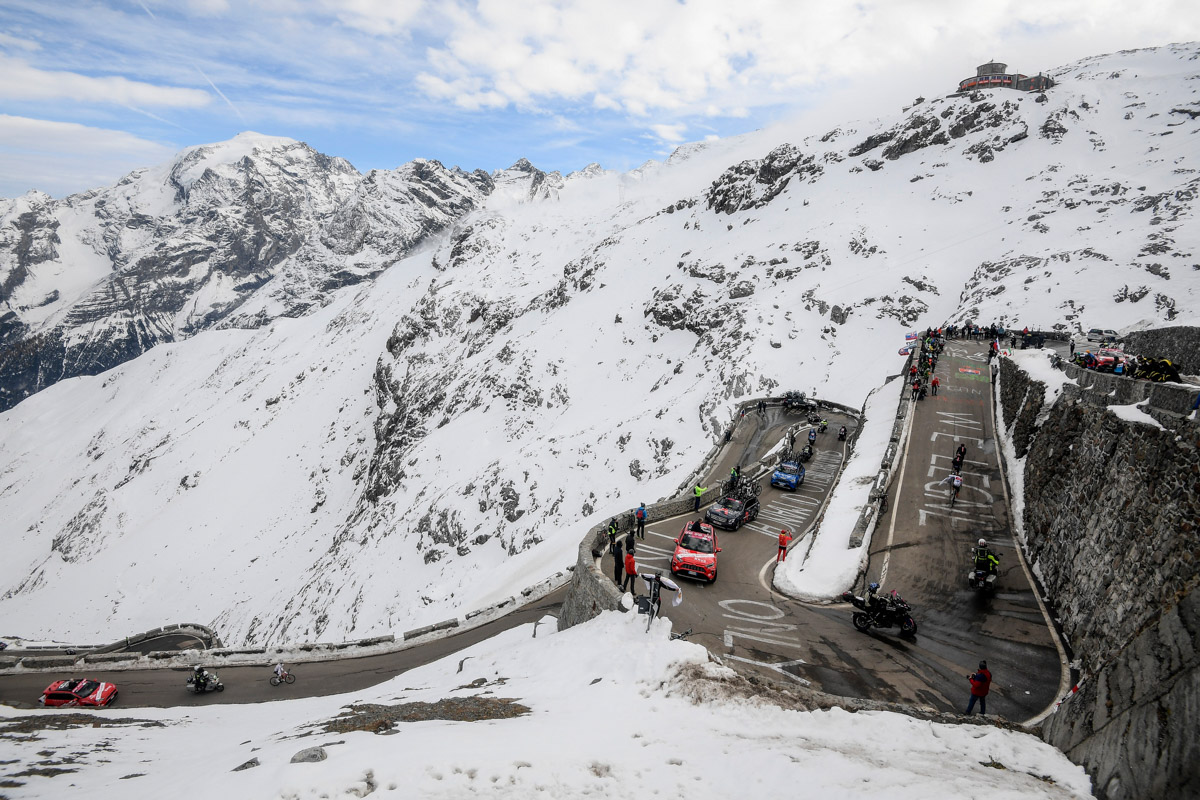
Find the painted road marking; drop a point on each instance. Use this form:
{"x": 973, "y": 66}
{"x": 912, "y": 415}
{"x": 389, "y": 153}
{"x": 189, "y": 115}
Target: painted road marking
{"x": 760, "y": 626}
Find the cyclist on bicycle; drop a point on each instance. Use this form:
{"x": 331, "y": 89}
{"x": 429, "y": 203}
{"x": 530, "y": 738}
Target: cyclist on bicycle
{"x": 955, "y": 481}
{"x": 280, "y": 671}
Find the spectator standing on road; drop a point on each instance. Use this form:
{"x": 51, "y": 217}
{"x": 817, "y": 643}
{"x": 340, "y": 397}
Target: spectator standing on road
{"x": 916, "y": 387}
{"x": 792, "y": 439}
{"x": 640, "y": 516}
{"x": 698, "y": 490}
{"x": 1072, "y": 353}
{"x": 981, "y": 683}
{"x": 630, "y": 570}
{"x": 935, "y": 383}
{"x": 784, "y": 538}
{"x": 618, "y": 560}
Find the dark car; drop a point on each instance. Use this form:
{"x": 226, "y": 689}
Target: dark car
{"x": 732, "y": 511}
{"x": 696, "y": 552}
{"x": 789, "y": 475}
{"x": 79, "y": 692}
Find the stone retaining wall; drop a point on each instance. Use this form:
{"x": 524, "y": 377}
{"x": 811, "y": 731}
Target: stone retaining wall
{"x": 1181, "y": 344}
{"x": 1112, "y": 528}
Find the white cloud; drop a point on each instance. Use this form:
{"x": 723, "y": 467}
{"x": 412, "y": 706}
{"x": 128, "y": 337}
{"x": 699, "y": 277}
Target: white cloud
{"x": 376, "y": 17}
{"x": 60, "y": 157}
{"x": 646, "y": 55}
{"x": 25, "y": 82}
{"x": 21, "y": 44}
{"x": 671, "y": 133}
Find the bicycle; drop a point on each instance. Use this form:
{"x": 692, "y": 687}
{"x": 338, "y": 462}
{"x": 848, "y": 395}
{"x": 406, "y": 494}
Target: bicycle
{"x": 954, "y": 494}
{"x": 683, "y": 635}
{"x": 287, "y": 677}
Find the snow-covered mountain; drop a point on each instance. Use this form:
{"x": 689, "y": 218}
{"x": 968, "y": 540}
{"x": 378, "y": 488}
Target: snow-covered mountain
{"x": 361, "y": 436}
{"x": 226, "y": 235}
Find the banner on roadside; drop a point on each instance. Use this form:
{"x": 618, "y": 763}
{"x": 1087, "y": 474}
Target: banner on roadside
{"x": 905, "y": 351}
{"x": 969, "y": 370}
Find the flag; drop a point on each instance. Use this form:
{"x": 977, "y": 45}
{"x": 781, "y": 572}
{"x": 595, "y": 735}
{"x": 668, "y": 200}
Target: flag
{"x": 905, "y": 351}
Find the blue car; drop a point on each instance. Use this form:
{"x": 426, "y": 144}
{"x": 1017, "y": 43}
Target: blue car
{"x": 789, "y": 475}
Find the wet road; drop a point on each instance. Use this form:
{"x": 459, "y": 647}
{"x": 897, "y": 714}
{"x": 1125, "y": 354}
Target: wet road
{"x": 163, "y": 688}
{"x": 921, "y": 548}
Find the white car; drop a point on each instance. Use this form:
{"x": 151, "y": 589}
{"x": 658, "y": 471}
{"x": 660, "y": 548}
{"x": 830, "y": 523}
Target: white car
{"x": 1098, "y": 335}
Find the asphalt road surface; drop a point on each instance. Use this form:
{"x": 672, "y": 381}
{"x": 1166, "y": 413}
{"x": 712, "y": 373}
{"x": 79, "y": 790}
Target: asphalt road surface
{"x": 922, "y": 548}
{"x": 163, "y": 688}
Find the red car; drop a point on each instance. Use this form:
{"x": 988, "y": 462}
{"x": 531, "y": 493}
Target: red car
{"x": 696, "y": 552}
{"x": 79, "y": 692}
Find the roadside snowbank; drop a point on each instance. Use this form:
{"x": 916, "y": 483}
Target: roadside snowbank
{"x": 830, "y": 567}
{"x": 613, "y": 712}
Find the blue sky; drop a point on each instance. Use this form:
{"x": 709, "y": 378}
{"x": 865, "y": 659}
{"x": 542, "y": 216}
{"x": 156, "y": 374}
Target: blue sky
{"x": 91, "y": 90}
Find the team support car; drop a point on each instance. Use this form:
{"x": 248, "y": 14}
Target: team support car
{"x": 79, "y": 692}
{"x": 732, "y": 511}
{"x": 1105, "y": 335}
{"x": 789, "y": 475}
{"x": 696, "y": 552}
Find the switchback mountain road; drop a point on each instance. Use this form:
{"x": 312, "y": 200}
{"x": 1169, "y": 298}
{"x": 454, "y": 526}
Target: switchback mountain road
{"x": 921, "y": 548}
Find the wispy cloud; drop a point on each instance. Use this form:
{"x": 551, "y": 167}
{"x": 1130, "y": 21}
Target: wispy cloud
{"x": 63, "y": 157}
{"x": 25, "y": 82}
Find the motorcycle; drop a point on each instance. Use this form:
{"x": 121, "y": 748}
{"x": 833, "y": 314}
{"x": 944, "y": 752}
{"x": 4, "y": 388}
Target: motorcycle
{"x": 212, "y": 684}
{"x": 884, "y": 613}
{"x": 824, "y": 426}
{"x": 806, "y": 453}
{"x": 842, "y": 434}
{"x": 813, "y": 417}
{"x": 982, "y": 580}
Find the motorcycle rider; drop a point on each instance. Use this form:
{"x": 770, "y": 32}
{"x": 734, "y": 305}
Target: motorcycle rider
{"x": 872, "y": 598}
{"x": 842, "y": 432}
{"x": 824, "y": 425}
{"x": 984, "y": 558}
{"x": 200, "y": 678}
{"x": 812, "y": 435}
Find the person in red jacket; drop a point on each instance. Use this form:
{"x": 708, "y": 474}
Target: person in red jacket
{"x": 981, "y": 682}
{"x": 935, "y": 383}
{"x": 784, "y": 538}
{"x": 630, "y": 570}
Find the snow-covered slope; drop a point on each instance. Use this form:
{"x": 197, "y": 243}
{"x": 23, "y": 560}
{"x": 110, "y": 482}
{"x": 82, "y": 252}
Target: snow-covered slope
{"x": 435, "y": 438}
{"x": 602, "y": 711}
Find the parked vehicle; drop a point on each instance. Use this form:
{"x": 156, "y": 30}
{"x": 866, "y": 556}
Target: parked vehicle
{"x": 81, "y": 692}
{"x": 884, "y": 612}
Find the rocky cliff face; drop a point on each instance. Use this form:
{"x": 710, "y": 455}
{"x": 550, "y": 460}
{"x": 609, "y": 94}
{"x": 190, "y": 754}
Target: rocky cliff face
{"x": 232, "y": 234}
{"x": 1112, "y": 525}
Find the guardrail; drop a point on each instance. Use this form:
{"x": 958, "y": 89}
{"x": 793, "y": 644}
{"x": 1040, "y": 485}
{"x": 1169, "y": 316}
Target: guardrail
{"x": 109, "y": 657}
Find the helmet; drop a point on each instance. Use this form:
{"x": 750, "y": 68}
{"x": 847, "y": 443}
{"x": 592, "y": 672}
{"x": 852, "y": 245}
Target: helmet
{"x": 873, "y": 587}
{"x": 983, "y": 542}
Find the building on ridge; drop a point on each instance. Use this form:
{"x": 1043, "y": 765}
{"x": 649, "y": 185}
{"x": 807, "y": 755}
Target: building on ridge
{"x": 995, "y": 74}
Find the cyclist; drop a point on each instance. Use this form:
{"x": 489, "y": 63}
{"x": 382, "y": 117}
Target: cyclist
{"x": 955, "y": 480}
{"x": 280, "y": 671}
